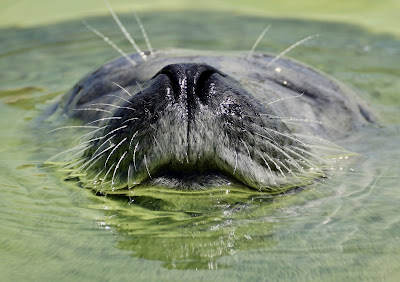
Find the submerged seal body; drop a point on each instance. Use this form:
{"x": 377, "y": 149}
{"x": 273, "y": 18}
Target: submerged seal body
{"x": 190, "y": 120}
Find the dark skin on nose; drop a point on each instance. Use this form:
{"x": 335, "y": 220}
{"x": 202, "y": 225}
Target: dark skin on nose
{"x": 188, "y": 81}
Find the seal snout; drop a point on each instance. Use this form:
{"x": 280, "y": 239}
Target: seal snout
{"x": 194, "y": 117}
{"x": 190, "y": 122}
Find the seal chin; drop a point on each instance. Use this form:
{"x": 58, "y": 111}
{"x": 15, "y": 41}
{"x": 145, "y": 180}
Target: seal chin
{"x": 192, "y": 126}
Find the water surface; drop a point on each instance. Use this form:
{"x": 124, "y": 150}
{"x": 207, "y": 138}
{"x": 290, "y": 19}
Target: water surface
{"x": 343, "y": 228}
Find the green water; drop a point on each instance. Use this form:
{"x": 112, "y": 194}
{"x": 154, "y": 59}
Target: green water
{"x": 346, "y": 227}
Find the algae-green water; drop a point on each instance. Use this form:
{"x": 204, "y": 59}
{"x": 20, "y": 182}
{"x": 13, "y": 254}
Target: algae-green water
{"x": 343, "y": 228}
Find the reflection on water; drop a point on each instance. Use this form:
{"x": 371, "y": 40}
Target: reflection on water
{"x": 343, "y": 227}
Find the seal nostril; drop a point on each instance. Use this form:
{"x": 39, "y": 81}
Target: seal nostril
{"x": 200, "y": 84}
{"x": 173, "y": 78}
{"x": 189, "y": 80}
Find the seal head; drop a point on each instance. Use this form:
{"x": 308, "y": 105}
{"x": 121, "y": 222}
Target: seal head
{"x": 180, "y": 121}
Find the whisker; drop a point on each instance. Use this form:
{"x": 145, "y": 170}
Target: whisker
{"x": 147, "y": 168}
{"x": 96, "y": 176}
{"x": 75, "y": 155}
{"x": 280, "y": 149}
{"x": 247, "y": 148}
{"x": 125, "y": 32}
{"x": 117, "y": 166}
{"x": 257, "y": 42}
{"x": 158, "y": 144}
{"x": 301, "y": 180}
{"x": 123, "y": 99}
{"x": 111, "y": 105}
{"x": 102, "y": 137}
{"x": 68, "y": 166}
{"x": 102, "y": 119}
{"x": 72, "y": 126}
{"x": 80, "y": 148}
{"x": 321, "y": 141}
{"x": 134, "y": 155}
{"x": 291, "y": 48}
{"x": 276, "y": 165}
{"x": 140, "y": 86}
{"x": 129, "y": 175}
{"x": 95, "y": 159}
{"x": 292, "y": 118}
{"x": 102, "y": 144}
{"x": 113, "y": 150}
{"x": 67, "y": 151}
{"x": 236, "y": 162}
{"x": 93, "y": 109}
{"x": 288, "y": 169}
{"x": 108, "y": 171}
{"x": 310, "y": 154}
{"x": 284, "y": 135}
{"x": 133, "y": 136}
{"x": 146, "y": 38}
{"x": 126, "y": 91}
{"x": 95, "y": 155}
{"x": 99, "y": 147}
{"x": 302, "y": 157}
{"x": 113, "y": 131}
{"x": 269, "y": 168}
{"x": 326, "y": 148}
{"x": 298, "y": 121}
{"x": 130, "y": 119}
{"x": 282, "y": 99}
{"x": 108, "y": 139}
{"x": 79, "y": 169}
{"x": 112, "y": 44}
{"x": 82, "y": 137}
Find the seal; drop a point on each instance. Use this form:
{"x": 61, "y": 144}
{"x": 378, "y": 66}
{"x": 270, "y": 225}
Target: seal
{"x": 190, "y": 120}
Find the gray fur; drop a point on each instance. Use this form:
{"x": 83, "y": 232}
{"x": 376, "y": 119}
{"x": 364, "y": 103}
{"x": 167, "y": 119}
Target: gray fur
{"x": 257, "y": 125}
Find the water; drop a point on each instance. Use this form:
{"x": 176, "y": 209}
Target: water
{"x": 343, "y": 228}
